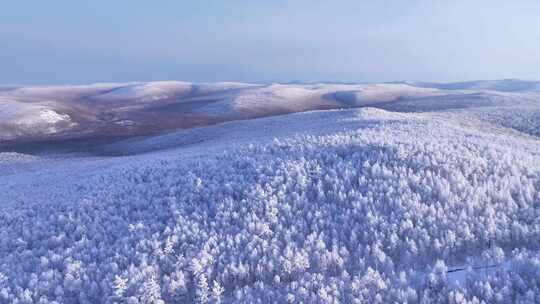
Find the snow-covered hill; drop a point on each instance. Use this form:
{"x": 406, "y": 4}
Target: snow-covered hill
{"x": 505, "y": 85}
{"x": 52, "y": 113}
{"x": 420, "y": 195}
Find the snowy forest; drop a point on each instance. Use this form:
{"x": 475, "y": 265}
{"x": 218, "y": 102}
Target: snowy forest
{"x": 368, "y": 205}
{"x": 270, "y": 152}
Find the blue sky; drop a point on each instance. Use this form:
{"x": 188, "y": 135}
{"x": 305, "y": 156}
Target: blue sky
{"x": 66, "y": 41}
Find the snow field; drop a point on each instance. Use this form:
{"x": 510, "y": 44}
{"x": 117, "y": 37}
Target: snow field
{"x": 375, "y": 209}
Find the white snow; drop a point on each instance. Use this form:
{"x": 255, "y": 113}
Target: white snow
{"x": 504, "y": 85}
{"x": 59, "y": 92}
{"x": 103, "y": 107}
{"x": 24, "y": 119}
{"x": 372, "y": 205}
{"x": 152, "y": 91}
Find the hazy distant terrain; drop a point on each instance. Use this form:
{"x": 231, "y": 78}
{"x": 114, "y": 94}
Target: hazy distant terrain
{"x": 106, "y": 112}
{"x": 175, "y": 192}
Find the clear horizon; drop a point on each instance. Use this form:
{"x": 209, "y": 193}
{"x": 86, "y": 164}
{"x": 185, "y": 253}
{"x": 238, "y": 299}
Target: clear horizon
{"x": 66, "y": 42}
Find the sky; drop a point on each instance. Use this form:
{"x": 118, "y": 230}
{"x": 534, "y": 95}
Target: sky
{"x": 71, "y": 42}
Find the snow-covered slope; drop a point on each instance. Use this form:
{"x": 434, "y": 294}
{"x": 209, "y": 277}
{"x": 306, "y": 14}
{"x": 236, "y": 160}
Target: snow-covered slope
{"x": 145, "y": 92}
{"x": 505, "y": 85}
{"x": 364, "y": 205}
{"x": 371, "y": 193}
{"x": 51, "y": 113}
{"x": 22, "y": 119}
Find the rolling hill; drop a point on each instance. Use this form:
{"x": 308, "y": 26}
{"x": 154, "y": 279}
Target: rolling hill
{"x": 223, "y": 193}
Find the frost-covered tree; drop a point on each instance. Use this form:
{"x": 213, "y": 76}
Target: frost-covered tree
{"x": 120, "y": 285}
{"x": 363, "y": 214}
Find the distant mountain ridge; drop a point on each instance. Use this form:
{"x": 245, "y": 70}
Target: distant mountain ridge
{"x": 503, "y": 85}
{"x": 31, "y": 114}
